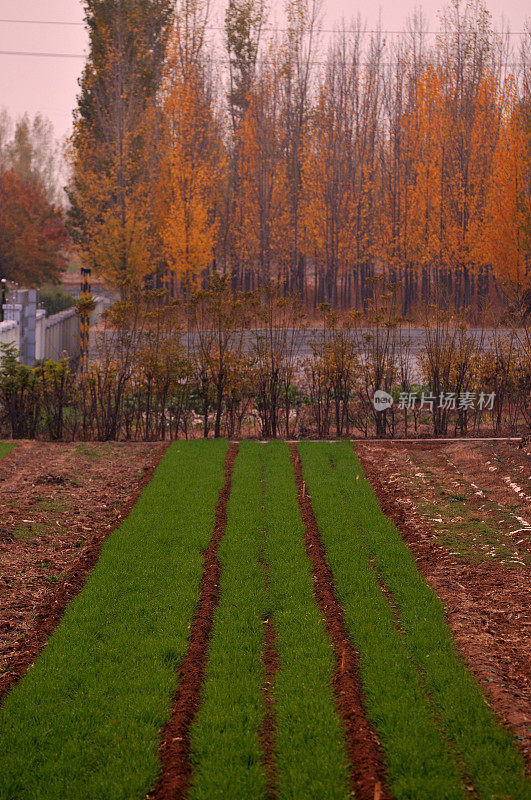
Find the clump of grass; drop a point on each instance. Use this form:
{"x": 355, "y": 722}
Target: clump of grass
{"x": 55, "y": 578}
{"x": 85, "y": 721}
{"x": 51, "y": 504}
{"x": 89, "y": 450}
{"x": 5, "y": 448}
{"x": 96, "y": 450}
{"x": 31, "y": 530}
{"x": 44, "y": 565}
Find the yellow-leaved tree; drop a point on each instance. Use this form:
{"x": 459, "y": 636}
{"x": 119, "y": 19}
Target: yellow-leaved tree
{"x": 193, "y": 160}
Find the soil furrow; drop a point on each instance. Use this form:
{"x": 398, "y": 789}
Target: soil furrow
{"x": 367, "y": 772}
{"x": 271, "y": 662}
{"x": 48, "y": 616}
{"x": 267, "y": 734}
{"x": 176, "y": 769}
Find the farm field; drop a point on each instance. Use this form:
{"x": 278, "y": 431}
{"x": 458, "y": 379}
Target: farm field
{"x": 256, "y": 627}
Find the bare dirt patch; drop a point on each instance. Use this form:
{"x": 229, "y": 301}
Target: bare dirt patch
{"x": 367, "y": 773}
{"x": 175, "y": 747}
{"x": 466, "y": 527}
{"x": 58, "y": 502}
{"x": 271, "y": 664}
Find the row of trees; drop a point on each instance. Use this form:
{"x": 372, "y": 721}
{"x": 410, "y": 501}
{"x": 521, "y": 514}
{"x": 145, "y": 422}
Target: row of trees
{"x": 246, "y": 364}
{"x": 318, "y": 167}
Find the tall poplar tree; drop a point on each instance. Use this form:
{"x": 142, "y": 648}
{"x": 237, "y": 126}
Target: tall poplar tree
{"x": 113, "y": 151}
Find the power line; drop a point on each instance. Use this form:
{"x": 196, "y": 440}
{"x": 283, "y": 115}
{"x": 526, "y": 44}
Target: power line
{"x": 274, "y": 28}
{"x": 41, "y": 22}
{"x": 226, "y": 61}
{"x": 40, "y": 55}
{"x": 372, "y": 30}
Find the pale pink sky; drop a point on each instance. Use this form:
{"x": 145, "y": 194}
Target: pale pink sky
{"x": 49, "y": 85}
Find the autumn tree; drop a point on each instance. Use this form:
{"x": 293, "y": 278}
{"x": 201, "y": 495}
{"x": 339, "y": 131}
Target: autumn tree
{"x": 192, "y": 163}
{"x": 297, "y": 51}
{"x": 32, "y": 233}
{"x": 328, "y": 203}
{"x": 397, "y": 181}
{"x": 259, "y": 225}
{"x": 470, "y": 96}
{"x": 33, "y": 238}
{"x": 29, "y": 147}
{"x": 508, "y": 206}
{"x": 244, "y": 20}
{"x": 114, "y": 144}
{"x": 243, "y": 32}
{"x": 426, "y": 120}
{"x": 339, "y": 173}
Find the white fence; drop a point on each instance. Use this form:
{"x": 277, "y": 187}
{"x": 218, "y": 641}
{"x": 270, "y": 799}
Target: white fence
{"x": 10, "y": 333}
{"x": 55, "y": 336}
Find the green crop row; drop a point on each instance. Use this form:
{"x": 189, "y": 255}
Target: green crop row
{"x": 310, "y": 752}
{"x": 264, "y": 527}
{"x": 225, "y": 746}
{"x": 84, "y": 722}
{"x": 414, "y": 679}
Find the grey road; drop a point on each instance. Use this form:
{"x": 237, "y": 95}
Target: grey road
{"x": 412, "y": 338}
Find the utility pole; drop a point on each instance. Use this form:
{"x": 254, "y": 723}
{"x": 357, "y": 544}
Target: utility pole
{"x": 3, "y": 298}
{"x": 85, "y": 298}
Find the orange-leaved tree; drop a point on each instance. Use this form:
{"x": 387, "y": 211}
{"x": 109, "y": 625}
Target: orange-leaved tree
{"x": 193, "y": 159}
{"x": 508, "y": 207}
{"x": 32, "y": 233}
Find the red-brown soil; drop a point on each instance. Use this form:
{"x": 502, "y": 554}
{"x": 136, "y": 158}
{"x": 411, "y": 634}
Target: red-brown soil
{"x": 368, "y": 779}
{"x": 267, "y": 734}
{"x": 175, "y": 747}
{"x": 486, "y": 593}
{"x": 58, "y": 503}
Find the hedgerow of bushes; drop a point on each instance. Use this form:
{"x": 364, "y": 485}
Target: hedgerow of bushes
{"x": 232, "y": 365}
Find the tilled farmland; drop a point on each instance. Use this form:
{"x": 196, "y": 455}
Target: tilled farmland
{"x": 244, "y": 621}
